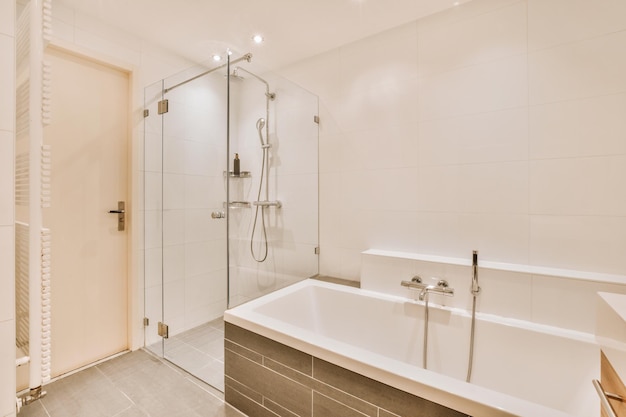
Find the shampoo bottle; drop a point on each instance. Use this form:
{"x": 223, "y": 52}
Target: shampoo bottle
{"x": 236, "y": 167}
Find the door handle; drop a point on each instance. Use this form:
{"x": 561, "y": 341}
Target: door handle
{"x": 121, "y": 215}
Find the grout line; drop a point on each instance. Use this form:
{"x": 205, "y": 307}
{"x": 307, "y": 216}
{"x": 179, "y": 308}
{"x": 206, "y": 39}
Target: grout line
{"x": 120, "y": 413}
{"x": 44, "y": 407}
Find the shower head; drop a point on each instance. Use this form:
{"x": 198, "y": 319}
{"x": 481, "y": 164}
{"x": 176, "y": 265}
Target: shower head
{"x": 235, "y": 75}
{"x": 260, "y": 124}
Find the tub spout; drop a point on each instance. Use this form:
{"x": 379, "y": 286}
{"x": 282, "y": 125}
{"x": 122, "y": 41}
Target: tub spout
{"x": 441, "y": 288}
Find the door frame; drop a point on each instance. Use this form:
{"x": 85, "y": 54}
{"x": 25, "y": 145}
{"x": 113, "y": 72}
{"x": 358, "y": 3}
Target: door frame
{"x": 134, "y": 205}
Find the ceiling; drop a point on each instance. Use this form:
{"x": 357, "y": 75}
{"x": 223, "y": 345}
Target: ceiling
{"x": 293, "y": 29}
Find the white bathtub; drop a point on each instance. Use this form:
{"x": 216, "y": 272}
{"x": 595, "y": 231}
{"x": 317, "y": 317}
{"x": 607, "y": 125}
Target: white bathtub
{"x": 520, "y": 369}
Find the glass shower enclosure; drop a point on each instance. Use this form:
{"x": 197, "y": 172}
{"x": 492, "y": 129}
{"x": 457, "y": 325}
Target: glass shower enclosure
{"x": 219, "y": 232}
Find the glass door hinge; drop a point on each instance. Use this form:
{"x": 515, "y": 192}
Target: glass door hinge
{"x": 146, "y": 322}
{"x": 317, "y": 250}
{"x": 163, "y": 106}
{"x": 316, "y": 119}
{"x": 163, "y": 330}
{"x": 146, "y": 113}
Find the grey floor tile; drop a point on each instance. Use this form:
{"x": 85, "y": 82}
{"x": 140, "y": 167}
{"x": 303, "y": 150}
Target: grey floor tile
{"x": 136, "y": 384}
{"x": 34, "y": 410}
{"x": 213, "y": 374}
{"x": 133, "y": 411}
{"x": 88, "y": 393}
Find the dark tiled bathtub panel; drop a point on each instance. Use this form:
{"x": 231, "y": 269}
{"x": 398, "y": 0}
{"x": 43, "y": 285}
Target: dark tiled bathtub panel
{"x": 266, "y": 378}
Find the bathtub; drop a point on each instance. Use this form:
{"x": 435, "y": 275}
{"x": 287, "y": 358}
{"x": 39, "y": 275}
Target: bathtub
{"x": 520, "y": 368}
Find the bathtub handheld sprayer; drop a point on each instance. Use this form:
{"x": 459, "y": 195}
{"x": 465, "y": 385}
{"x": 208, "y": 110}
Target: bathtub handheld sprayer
{"x": 475, "y": 287}
{"x": 475, "y": 290}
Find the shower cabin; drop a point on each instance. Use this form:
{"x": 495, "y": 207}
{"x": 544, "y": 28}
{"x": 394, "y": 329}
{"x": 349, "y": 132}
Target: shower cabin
{"x": 219, "y": 232}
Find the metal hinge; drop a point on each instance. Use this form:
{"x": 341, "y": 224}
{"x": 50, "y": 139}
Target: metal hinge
{"x": 146, "y": 113}
{"x": 316, "y": 119}
{"x": 146, "y": 322}
{"x": 317, "y": 250}
{"x": 163, "y": 106}
{"x": 163, "y": 330}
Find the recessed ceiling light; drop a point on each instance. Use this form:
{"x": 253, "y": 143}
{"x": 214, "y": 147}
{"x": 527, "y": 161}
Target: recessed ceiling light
{"x": 217, "y": 57}
{"x": 258, "y": 39}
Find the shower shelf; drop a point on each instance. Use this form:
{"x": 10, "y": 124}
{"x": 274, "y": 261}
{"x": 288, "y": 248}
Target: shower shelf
{"x": 242, "y": 174}
{"x": 238, "y": 204}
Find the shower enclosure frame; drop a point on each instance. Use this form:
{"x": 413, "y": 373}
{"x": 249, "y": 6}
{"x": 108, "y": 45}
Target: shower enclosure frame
{"x": 230, "y": 213}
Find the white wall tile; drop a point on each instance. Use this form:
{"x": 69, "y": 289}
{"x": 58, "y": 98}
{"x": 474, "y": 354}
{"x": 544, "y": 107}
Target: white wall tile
{"x": 584, "y": 243}
{"x": 384, "y": 274}
{"x": 567, "y": 303}
{"x": 61, "y": 30}
{"x": 587, "y": 68}
{"x": 174, "y": 306}
{"x": 554, "y": 22}
{"x": 579, "y": 186}
{"x": 395, "y": 146}
{"x": 64, "y": 13}
{"x": 476, "y": 188}
{"x": 199, "y": 226}
{"x": 153, "y": 151}
{"x": 7, "y": 83}
{"x": 384, "y": 229}
{"x": 201, "y": 257}
{"x": 174, "y": 263}
{"x": 7, "y": 273}
{"x": 173, "y": 227}
{"x": 7, "y": 250}
{"x": 504, "y": 293}
{"x": 474, "y": 40}
{"x": 7, "y": 19}
{"x": 479, "y": 88}
{"x": 153, "y": 191}
{"x": 486, "y": 137}
{"x": 6, "y": 177}
{"x": 587, "y": 127}
{"x": 7, "y": 367}
{"x": 173, "y": 193}
{"x": 379, "y": 106}
{"x": 498, "y": 237}
{"x": 197, "y": 157}
{"x": 153, "y": 267}
{"x": 153, "y": 229}
{"x": 203, "y": 192}
{"x": 173, "y": 152}
{"x": 359, "y": 72}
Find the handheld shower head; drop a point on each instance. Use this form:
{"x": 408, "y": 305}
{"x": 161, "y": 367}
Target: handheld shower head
{"x": 260, "y": 124}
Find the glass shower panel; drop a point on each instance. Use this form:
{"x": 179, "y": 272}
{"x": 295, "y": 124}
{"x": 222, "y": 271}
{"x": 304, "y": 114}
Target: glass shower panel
{"x": 194, "y": 223}
{"x": 153, "y": 217}
{"x": 273, "y": 202}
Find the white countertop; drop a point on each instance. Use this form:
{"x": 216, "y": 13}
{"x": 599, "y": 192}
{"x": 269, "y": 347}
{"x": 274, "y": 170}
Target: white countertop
{"x": 611, "y": 329}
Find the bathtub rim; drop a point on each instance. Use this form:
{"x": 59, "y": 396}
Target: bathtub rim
{"x": 441, "y": 389}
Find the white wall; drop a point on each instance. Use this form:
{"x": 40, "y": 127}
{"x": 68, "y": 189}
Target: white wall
{"x": 7, "y": 242}
{"x": 292, "y": 230}
{"x": 497, "y": 125}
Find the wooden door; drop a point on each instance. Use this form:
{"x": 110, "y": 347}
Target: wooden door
{"x": 89, "y": 135}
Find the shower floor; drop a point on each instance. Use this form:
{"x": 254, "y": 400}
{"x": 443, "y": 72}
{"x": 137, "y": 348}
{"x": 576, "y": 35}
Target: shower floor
{"x": 199, "y": 351}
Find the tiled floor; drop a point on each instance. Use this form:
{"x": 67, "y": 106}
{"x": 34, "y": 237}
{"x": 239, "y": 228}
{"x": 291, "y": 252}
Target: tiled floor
{"x": 199, "y": 351}
{"x": 136, "y": 384}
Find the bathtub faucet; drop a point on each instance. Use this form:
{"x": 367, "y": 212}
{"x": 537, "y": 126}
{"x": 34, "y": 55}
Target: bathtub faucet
{"x": 441, "y": 288}
{"x": 416, "y": 284}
